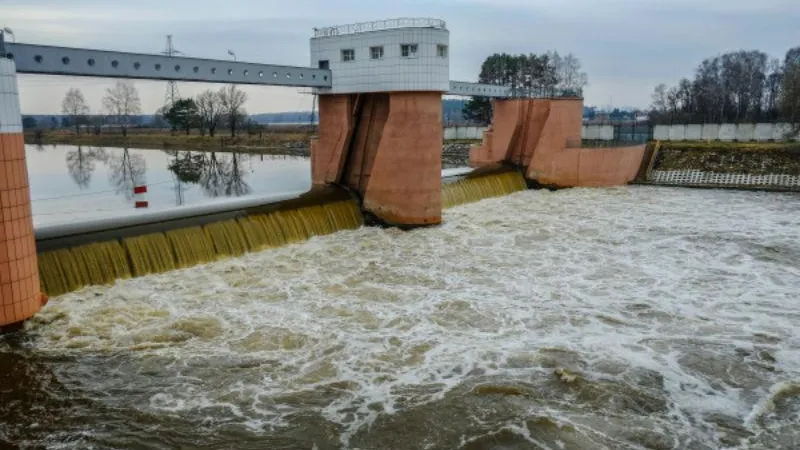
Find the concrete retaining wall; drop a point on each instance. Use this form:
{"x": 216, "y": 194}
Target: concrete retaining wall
{"x": 593, "y": 132}
{"x": 598, "y": 132}
{"x": 451, "y": 133}
{"x": 692, "y": 132}
{"x": 743, "y": 132}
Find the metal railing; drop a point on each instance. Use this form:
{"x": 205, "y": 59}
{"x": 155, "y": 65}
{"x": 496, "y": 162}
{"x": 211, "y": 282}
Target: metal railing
{"x": 377, "y": 25}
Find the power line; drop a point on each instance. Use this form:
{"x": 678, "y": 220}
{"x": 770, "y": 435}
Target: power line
{"x": 84, "y": 194}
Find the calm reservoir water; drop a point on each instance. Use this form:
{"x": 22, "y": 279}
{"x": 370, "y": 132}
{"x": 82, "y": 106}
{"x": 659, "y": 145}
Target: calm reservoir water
{"x": 622, "y": 318}
{"x": 81, "y": 183}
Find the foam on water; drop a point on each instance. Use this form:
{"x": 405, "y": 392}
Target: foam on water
{"x": 676, "y": 310}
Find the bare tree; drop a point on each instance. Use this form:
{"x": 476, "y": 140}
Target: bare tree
{"x": 790, "y": 94}
{"x": 121, "y": 102}
{"x": 568, "y": 72}
{"x": 209, "y": 107}
{"x": 659, "y": 99}
{"x": 74, "y": 106}
{"x": 231, "y": 100}
{"x": 732, "y": 87}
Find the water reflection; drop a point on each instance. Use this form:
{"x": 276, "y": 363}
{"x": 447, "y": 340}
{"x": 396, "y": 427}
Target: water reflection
{"x": 224, "y": 176}
{"x": 127, "y": 171}
{"x": 186, "y": 167}
{"x": 79, "y": 183}
{"x": 81, "y": 164}
{"x": 219, "y": 175}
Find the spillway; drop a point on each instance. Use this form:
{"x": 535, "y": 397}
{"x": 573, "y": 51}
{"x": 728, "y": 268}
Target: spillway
{"x": 100, "y": 252}
{"x": 88, "y": 254}
{"x": 481, "y": 184}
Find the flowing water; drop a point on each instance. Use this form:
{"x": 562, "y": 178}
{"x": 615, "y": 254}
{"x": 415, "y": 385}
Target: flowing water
{"x": 69, "y": 269}
{"x": 582, "y": 319}
{"x": 467, "y": 190}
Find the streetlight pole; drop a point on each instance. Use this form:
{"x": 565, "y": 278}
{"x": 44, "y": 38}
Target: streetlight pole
{"x": 3, "y": 32}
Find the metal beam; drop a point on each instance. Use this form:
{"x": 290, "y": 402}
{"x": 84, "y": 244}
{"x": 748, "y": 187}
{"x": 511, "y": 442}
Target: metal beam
{"x": 478, "y": 90}
{"x": 81, "y": 62}
{"x": 50, "y": 60}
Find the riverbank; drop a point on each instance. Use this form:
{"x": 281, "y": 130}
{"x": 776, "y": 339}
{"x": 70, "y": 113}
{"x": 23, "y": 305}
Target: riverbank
{"x": 268, "y": 142}
{"x": 739, "y": 165}
{"x": 730, "y": 157}
{"x": 454, "y": 153}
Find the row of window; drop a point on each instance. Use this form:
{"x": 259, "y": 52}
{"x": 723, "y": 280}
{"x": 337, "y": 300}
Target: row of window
{"x": 406, "y": 51}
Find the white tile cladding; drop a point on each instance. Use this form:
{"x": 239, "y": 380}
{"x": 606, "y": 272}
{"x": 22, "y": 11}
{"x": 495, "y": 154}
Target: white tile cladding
{"x": 10, "y": 117}
{"x": 427, "y": 70}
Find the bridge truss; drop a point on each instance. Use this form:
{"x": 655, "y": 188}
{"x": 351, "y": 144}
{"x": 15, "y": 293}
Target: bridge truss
{"x": 81, "y": 62}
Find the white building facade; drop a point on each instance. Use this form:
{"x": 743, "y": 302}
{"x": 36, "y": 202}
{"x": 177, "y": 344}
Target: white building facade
{"x": 384, "y": 56}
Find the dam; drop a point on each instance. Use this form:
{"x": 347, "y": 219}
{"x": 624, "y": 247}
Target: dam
{"x": 378, "y": 150}
{"x": 397, "y": 305}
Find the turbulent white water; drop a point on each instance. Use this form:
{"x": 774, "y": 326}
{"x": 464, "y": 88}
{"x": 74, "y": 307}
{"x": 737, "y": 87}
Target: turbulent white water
{"x": 677, "y": 311}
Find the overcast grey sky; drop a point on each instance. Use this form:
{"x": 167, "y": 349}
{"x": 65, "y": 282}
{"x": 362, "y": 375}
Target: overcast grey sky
{"x": 626, "y": 46}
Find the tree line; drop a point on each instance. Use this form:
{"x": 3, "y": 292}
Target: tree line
{"x": 121, "y": 102}
{"x": 527, "y": 75}
{"x": 206, "y": 112}
{"x": 741, "y": 86}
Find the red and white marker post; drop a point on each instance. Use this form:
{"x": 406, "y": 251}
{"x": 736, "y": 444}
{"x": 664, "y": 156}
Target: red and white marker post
{"x": 140, "y": 196}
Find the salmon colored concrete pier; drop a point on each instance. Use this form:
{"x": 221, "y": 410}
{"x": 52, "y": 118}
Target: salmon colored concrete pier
{"x": 20, "y": 297}
{"x": 543, "y": 138}
{"x": 387, "y": 148}
{"x": 380, "y": 131}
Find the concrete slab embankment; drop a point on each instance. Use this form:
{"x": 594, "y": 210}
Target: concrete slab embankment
{"x": 725, "y": 165}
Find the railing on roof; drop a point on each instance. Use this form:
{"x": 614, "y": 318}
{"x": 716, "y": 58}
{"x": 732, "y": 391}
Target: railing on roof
{"x": 387, "y": 24}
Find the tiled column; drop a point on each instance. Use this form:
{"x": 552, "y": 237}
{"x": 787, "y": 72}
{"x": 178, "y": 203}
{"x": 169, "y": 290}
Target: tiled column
{"x": 20, "y": 296}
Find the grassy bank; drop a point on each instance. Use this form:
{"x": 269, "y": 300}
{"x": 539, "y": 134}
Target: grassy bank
{"x": 755, "y": 158}
{"x": 264, "y": 143}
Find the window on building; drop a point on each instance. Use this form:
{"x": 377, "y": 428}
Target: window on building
{"x": 324, "y": 64}
{"x": 348, "y": 54}
{"x": 408, "y": 50}
{"x": 376, "y": 52}
{"x": 441, "y": 50}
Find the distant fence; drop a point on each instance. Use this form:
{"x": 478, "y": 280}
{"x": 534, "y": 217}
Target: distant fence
{"x": 593, "y": 132}
{"x": 642, "y": 132}
{"x": 723, "y": 132}
{"x": 464, "y": 132}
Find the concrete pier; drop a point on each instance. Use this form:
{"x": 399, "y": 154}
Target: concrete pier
{"x": 387, "y": 148}
{"x": 20, "y": 297}
{"x": 543, "y": 138}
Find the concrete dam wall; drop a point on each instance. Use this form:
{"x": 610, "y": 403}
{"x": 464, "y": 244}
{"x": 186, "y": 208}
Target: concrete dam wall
{"x": 726, "y": 132}
{"x": 101, "y": 252}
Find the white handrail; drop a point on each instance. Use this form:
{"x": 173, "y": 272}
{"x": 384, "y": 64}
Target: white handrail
{"x": 377, "y": 25}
